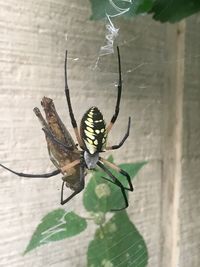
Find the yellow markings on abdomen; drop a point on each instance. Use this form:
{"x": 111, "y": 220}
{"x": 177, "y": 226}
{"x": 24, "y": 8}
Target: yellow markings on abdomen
{"x": 96, "y": 142}
{"x": 90, "y": 141}
{"x": 90, "y": 147}
{"x": 89, "y": 135}
{"x": 89, "y": 123}
{"x": 93, "y": 129}
{"x": 89, "y": 129}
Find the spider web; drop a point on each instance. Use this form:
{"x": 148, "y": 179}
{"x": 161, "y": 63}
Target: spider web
{"x": 129, "y": 260}
{"x": 112, "y": 32}
{"x": 114, "y": 35}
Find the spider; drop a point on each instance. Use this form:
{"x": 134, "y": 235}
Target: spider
{"x": 91, "y": 138}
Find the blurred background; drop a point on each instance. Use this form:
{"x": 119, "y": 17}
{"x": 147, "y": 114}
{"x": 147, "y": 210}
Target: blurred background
{"x": 160, "y": 69}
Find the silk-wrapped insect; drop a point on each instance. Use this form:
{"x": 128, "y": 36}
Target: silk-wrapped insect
{"x": 62, "y": 150}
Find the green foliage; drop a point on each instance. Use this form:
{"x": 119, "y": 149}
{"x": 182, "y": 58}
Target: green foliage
{"x": 173, "y": 11}
{"x": 98, "y": 9}
{"x": 116, "y": 240}
{"x": 56, "y": 225}
{"x": 118, "y": 243}
{"x": 103, "y": 7}
{"x": 162, "y": 10}
{"x": 103, "y": 196}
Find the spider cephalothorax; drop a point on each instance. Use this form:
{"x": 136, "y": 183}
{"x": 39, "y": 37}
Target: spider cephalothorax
{"x": 92, "y": 137}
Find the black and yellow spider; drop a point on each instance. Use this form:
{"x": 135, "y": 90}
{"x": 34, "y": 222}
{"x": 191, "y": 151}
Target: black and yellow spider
{"x": 91, "y": 138}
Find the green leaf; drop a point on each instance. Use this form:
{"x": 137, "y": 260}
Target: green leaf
{"x": 56, "y": 225}
{"x": 101, "y": 8}
{"x": 131, "y": 168}
{"x": 103, "y": 196}
{"x": 173, "y": 11}
{"x": 118, "y": 243}
{"x": 110, "y": 158}
{"x": 139, "y": 7}
{"x": 98, "y": 9}
{"x": 163, "y": 10}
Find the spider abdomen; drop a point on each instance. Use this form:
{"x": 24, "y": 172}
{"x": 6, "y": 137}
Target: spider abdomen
{"x": 93, "y": 130}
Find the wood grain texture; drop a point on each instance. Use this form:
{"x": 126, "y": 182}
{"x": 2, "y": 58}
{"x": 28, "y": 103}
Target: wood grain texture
{"x": 33, "y": 38}
{"x": 172, "y": 145}
{"x": 189, "y": 202}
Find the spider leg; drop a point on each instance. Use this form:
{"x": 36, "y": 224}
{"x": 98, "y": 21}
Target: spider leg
{"x": 56, "y": 141}
{"x": 123, "y": 193}
{"x": 118, "y": 95}
{"x": 116, "y": 182}
{"x": 119, "y": 170}
{"x": 43, "y": 175}
{"x": 70, "y": 165}
{"x": 81, "y": 185}
{"x": 123, "y": 139}
{"x": 73, "y": 121}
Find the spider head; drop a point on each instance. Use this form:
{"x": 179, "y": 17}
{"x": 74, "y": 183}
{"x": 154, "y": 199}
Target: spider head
{"x": 91, "y": 160}
{"x": 93, "y": 131}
